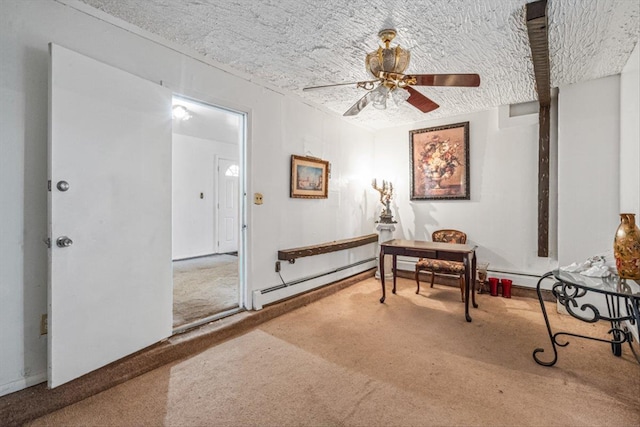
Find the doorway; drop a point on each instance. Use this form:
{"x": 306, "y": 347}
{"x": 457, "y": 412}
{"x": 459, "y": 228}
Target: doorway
{"x": 207, "y": 168}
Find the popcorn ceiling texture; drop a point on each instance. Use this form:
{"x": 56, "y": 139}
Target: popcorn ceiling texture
{"x": 291, "y": 44}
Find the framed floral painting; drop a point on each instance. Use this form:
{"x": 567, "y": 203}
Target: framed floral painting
{"x": 440, "y": 162}
{"x": 309, "y": 178}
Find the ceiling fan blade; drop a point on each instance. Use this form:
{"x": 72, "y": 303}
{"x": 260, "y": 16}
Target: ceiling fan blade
{"x": 467, "y": 80}
{"x": 367, "y": 84}
{"x": 420, "y": 101}
{"x": 359, "y": 106}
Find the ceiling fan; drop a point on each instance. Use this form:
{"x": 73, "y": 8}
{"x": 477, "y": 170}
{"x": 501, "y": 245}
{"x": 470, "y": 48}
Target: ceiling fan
{"x": 387, "y": 66}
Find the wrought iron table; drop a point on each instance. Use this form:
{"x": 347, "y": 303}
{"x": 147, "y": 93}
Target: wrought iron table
{"x": 575, "y": 293}
{"x": 448, "y": 251}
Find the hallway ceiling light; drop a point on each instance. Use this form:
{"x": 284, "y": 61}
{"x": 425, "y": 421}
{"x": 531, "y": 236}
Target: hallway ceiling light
{"x": 180, "y": 112}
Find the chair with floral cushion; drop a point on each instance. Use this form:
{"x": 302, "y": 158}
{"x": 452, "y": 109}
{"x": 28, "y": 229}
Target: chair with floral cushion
{"x": 438, "y": 266}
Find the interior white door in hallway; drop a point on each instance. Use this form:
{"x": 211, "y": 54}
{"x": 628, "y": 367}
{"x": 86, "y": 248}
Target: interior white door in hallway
{"x": 110, "y": 278}
{"x": 228, "y": 200}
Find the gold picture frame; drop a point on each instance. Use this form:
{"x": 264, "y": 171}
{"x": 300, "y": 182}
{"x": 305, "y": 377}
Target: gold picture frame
{"x": 309, "y": 178}
{"x": 439, "y": 159}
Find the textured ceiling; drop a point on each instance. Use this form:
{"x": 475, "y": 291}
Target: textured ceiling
{"x": 291, "y": 44}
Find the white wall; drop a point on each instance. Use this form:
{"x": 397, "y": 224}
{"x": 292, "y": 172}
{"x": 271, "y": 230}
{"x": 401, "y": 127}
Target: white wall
{"x": 589, "y": 159}
{"x": 278, "y": 127}
{"x": 283, "y": 222}
{"x": 630, "y": 135}
{"x": 501, "y": 217}
{"x": 193, "y": 218}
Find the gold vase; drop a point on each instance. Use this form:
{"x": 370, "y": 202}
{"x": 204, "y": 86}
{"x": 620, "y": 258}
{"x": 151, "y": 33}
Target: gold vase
{"x": 626, "y": 247}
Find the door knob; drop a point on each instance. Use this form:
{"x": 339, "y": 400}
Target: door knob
{"x": 62, "y": 185}
{"x": 64, "y": 242}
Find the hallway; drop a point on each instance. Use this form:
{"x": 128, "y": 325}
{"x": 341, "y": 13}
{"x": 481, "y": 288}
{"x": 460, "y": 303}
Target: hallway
{"x": 203, "y": 287}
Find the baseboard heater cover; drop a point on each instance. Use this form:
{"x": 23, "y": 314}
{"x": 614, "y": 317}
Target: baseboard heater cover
{"x": 523, "y": 279}
{"x": 267, "y": 296}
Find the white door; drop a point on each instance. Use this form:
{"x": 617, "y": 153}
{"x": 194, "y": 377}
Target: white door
{"x": 110, "y": 290}
{"x": 228, "y": 171}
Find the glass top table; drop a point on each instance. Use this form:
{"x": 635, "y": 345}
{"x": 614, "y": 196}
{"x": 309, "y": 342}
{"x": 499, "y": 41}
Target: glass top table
{"x": 578, "y": 294}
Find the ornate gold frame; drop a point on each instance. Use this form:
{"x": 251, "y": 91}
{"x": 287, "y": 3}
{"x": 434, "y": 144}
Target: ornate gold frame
{"x": 309, "y": 178}
{"x": 439, "y": 162}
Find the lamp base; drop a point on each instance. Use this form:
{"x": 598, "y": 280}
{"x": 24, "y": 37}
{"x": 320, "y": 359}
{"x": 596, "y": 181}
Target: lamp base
{"x": 386, "y": 219}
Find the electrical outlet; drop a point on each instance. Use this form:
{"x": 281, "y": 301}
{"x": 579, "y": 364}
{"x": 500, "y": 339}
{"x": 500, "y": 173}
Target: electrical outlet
{"x": 257, "y": 198}
{"x": 44, "y": 324}
{"x": 277, "y": 266}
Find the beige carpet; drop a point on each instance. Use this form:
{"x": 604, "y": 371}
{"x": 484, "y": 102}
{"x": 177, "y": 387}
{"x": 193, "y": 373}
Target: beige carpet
{"x": 348, "y": 360}
{"x": 203, "y": 287}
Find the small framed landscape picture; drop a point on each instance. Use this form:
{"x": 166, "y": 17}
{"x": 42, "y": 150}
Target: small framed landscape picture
{"x": 440, "y": 162}
{"x": 309, "y": 178}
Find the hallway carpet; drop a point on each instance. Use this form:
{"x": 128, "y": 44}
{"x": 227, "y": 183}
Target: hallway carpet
{"x": 348, "y": 360}
{"x": 203, "y": 287}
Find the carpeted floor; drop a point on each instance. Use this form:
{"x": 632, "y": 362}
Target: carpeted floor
{"x": 203, "y": 287}
{"x": 348, "y": 360}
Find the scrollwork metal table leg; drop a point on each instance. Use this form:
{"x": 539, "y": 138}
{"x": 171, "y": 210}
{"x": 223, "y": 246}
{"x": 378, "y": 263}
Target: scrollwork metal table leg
{"x": 613, "y": 307}
{"x": 546, "y": 321}
{"x": 633, "y": 306}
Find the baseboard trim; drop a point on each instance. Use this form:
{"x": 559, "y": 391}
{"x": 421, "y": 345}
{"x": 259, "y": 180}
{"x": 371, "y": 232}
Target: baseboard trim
{"x": 22, "y": 384}
{"x": 516, "y": 290}
{"x": 33, "y": 402}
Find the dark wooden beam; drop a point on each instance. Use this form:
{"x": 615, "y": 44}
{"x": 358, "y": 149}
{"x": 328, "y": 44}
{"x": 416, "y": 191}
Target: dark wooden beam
{"x": 543, "y": 180}
{"x": 539, "y": 42}
{"x": 323, "y": 248}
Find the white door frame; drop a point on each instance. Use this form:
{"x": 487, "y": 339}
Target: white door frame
{"x": 243, "y": 147}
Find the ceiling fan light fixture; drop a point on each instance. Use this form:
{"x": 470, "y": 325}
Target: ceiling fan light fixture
{"x": 379, "y": 97}
{"x": 387, "y": 66}
{"x": 399, "y": 95}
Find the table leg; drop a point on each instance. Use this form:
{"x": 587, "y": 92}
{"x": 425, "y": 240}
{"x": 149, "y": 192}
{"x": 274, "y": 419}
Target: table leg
{"x": 394, "y": 272}
{"x": 473, "y": 280}
{"x": 551, "y": 334}
{"x": 467, "y": 269}
{"x": 618, "y": 335}
{"x": 381, "y": 262}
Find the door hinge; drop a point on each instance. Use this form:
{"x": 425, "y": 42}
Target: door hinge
{"x": 49, "y": 185}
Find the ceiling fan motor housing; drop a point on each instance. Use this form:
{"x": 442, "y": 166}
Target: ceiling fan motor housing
{"x": 389, "y": 60}
{"x": 386, "y": 59}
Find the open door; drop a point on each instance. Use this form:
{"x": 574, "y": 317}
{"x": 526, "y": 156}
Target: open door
{"x": 110, "y": 278}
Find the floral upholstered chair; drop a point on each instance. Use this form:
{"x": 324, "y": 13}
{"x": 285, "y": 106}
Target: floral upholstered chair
{"x": 438, "y": 266}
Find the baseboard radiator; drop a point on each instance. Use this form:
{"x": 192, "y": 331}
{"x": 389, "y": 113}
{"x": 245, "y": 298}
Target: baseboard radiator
{"x": 276, "y": 293}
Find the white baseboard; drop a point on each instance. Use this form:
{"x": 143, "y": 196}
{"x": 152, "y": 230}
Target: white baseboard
{"x": 524, "y": 280}
{"x": 22, "y": 383}
{"x": 260, "y": 299}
